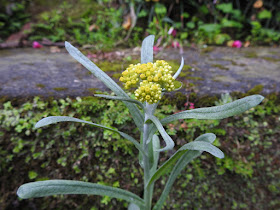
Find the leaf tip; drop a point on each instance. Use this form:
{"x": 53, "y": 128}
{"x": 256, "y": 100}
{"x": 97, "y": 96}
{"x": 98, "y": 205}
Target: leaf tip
{"x": 67, "y": 44}
{"x": 260, "y": 98}
{"x": 21, "y": 192}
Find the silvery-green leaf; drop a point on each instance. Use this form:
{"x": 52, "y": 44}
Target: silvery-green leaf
{"x": 198, "y": 144}
{"x": 180, "y": 69}
{"x": 156, "y": 147}
{"x": 147, "y": 49}
{"x": 57, "y": 187}
{"x": 121, "y": 99}
{"x": 133, "y": 206}
{"x": 151, "y": 154}
{"x": 140, "y": 156}
{"x": 135, "y": 112}
{"x": 179, "y": 166}
{"x": 55, "y": 119}
{"x": 168, "y": 141}
{"x": 217, "y": 112}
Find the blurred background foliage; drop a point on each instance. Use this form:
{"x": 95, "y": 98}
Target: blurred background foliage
{"x": 109, "y": 23}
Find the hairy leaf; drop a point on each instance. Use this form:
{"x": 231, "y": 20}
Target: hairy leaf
{"x": 147, "y": 49}
{"x": 217, "y": 112}
{"x": 180, "y": 69}
{"x": 168, "y": 141}
{"x": 198, "y": 144}
{"x": 156, "y": 146}
{"x": 135, "y": 112}
{"x": 179, "y": 166}
{"x": 133, "y": 206}
{"x": 56, "y": 187}
{"x": 55, "y": 119}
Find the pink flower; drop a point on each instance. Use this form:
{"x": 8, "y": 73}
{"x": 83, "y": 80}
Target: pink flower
{"x": 172, "y": 32}
{"x": 91, "y": 55}
{"x": 156, "y": 49}
{"x": 36, "y": 44}
{"x": 191, "y": 106}
{"x": 175, "y": 44}
{"x": 237, "y": 44}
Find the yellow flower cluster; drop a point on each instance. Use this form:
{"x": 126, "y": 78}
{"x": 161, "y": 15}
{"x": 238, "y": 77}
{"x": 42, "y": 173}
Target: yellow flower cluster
{"x": 152, "y": 78}
{"x": 148, "y": 91}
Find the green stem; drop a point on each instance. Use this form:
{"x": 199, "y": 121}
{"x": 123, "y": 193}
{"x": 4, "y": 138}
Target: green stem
{"x": 147, "y": 190}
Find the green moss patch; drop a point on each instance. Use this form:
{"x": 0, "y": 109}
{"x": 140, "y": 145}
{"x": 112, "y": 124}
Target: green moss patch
{"x": 60, "y": 88}
{"x": 219, "y": 66}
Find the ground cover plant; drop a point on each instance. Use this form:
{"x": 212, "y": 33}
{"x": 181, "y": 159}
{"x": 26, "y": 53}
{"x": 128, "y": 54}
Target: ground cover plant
{"x": 154, "y": 80}
{"x": 60, "y": 151}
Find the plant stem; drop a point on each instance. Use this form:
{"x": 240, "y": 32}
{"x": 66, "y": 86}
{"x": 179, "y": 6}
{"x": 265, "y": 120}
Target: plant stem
{"x": 147, "y": 190}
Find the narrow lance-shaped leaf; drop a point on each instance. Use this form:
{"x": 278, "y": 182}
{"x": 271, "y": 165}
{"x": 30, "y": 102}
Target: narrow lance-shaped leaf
{"x": 168, "y": 141}
{"x": 217, "y": 112}
{"x": 121, "y": 99}
{"x": 179, "y": 166}
{"x": 147, "y": 49}
{"x": 180, "y": 69}
{"x": 197, "y": 144}
{"x": 135, "y": 112}
{"x": 55, "y": 119}
{"x": 133, "y": 206}
{"x": 156, "y": 147}
{"x": 56, "y": 187}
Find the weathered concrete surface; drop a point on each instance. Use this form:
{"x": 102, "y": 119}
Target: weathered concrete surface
{"x": 30, "y": 72}
{"x": 222, "y": 69}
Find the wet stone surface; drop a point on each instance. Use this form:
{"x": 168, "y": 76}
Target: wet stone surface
{"x": 32, "y": 72}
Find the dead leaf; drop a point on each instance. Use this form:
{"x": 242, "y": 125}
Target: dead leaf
{"x": 54, "y": 49}
{"x": 258, "y": 4}
{"x": 127, "y": 22}
{"x": 247, "y": 44}
{"x": 93, "y": 26}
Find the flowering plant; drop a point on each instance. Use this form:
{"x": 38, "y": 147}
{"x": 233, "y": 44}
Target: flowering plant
{"x": 151, "y": 80}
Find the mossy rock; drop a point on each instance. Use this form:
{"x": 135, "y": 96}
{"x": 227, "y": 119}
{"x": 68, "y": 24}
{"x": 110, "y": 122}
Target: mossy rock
{"x": 60, "y": 88}
{"x": 255, "y": 90}
{"x": 219, "y": 66}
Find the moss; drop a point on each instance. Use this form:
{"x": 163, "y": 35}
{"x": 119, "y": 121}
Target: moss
{"x": 207, "y": 50}
{"x": 60, "y": 89}
{"x": 194, "y": 78}
{"x": 178, "y": 99}
{"x": 274, "y": 98}
{"x": 251, "y": 54}
{"x": 115, "y": 66}
{"x": 176, "y": 65}
{"x": 255, "y": 90}
{"x": 270, "y": 59}
{"x": 206, "y": 101}
{"x": 92, "y": 90}
{"x": 39, "y": 85}
{"x": 117, "y": 75}
{"x": 219, "y": 66}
